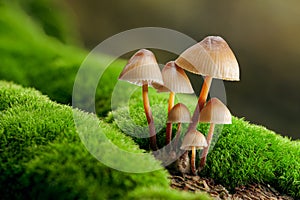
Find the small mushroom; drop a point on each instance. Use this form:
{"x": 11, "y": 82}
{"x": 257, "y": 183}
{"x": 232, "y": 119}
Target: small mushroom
{"x": 142, "y": 70}
{"x": 175, "y": 81}
{"x": 193, "y": 140}
{"x": 212, "y": 58}
{"x": 214, "y": 112}
{"x": 179, "y": 114}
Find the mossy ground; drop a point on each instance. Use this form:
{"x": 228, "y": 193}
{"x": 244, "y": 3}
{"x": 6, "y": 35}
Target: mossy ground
{"x": 32, "y": 58}
{"x": 244, "y": 153}
{"x": 43, "y": 157}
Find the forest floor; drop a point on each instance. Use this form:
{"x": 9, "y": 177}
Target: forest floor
{"x": 217, "y": 191}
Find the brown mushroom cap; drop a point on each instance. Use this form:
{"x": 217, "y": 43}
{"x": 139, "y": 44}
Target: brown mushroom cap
{"x": 193, "y": 138}
{"x": 215, "y": 112}
{"x": 210, "y": 57}
{"x": 142, "y": 68}
{"x": 179, "y": 114}
{"x": 175, "y": 80}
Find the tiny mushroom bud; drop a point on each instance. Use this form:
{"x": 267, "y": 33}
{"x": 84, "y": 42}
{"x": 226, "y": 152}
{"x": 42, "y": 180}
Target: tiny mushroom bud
{"x": 179, "y": 114}
{"x": 212, "y": 58}
{"x": 142, "y": 69}
{"x": 214, "y": 112}
{"x": 175, "y": 81}
{"x": 193, "y": 140}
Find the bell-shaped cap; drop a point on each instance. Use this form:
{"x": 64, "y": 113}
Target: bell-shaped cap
{"x": 215, "y": 112}
{"x": 193, "y": 138}
{"x": 179, "y": 114}
{"x": 175, "y": 80}
{"x": 210, "y": 57}
{"x": 142, "y": 68}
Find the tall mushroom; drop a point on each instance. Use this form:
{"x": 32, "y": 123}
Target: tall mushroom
{"x": 142, "y": 70}
{"x": 175, "y": 81}
{"x": 212, "y": 58}
{"x": 179, "y": 114}
{"x": 193, "y": 140}
{"x": 214, "y": 112}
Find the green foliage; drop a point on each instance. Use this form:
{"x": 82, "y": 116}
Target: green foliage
{"x": 50, "y": 16}
{"x": 62, "y": 168}
{"x": 42, "y": 156}
{"x": 28, "y": 121}
{"x": 137, "y": 125}
{"x": 245, "y": 153}
{"x": 31, "y": 58}
{"x": 248, "y": 153}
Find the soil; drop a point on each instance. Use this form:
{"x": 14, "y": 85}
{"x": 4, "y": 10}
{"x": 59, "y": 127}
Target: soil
{"x": 217, "y": 191}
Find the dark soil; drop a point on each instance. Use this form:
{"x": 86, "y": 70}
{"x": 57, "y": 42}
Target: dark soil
{"x": 217, "y": 191}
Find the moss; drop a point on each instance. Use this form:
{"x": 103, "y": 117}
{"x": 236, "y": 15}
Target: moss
{"x": 244, "y": 153}
{"x": 43, "y": 157}
{"x": 68, "y": 171}
{"x": 248, "y": 153}
{"x": 31, "y": 58}
{"x": 159, "y": 193}
{"x": 41, "y": 151}
{"x": 55, "y": 24}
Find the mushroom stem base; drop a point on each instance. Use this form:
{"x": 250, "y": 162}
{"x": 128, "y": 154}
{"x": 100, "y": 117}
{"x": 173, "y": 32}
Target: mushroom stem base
{"x": 152, "y": 132}
{"x": 205, "y": 150}
{"x": 193, "y": 161}
{"x": 169, "y": 125}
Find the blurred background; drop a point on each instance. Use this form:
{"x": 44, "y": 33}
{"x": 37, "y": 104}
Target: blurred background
{"x": 264, "y": 36}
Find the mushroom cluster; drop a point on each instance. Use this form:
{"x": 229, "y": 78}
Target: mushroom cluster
{"x": 211, "y": 58}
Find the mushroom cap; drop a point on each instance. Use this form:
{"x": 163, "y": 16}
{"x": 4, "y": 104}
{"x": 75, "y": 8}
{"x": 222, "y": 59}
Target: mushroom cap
{"x": 193, "y": 138}
{"x": 175, "y": 80}
{"x": 210, "y": 57}
{"x": 179, "y": 114}
{"x": 215, "y": 112}
{"x": 142, "y": 68}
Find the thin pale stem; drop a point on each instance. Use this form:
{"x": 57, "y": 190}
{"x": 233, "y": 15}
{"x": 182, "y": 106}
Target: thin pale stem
{"x": 193, "y": 161}
{"x": 149, "y": 117}
{"x": 169, "y": 125}
{"x": 201, "y": 101}
{"x": 205, "y": 150}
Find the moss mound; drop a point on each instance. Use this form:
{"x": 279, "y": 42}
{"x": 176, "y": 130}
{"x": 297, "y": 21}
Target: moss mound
{"x": 32, "y": 58}
{"x": 43, "y": 157}
{"x": 42, "y": 153}
{"x": 244, "y": 153}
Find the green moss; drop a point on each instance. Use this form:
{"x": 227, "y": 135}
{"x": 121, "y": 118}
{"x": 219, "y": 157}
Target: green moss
{"x": 159, "y": 193}
{"x": 51, "y": 16}
{"x": 31, "y": 58}
{"x": 41, "y": 151}
{"x": 245, "y": 153}
{"x": 62, "y": 168}
{"x": 43, "y": 157}
{"x": 248, "y": 153}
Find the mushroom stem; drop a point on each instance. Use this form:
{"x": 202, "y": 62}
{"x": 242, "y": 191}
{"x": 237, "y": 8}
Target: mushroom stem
{"x": 177, "y": 136}
{"x": 169, "y": 125}
{"x": 201, "y": 101}
{"x": 171, "y": 101}
{"x": 193, "y": 161}
{"x": 149, "y": 117}
{"x": 205, "y": 150}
